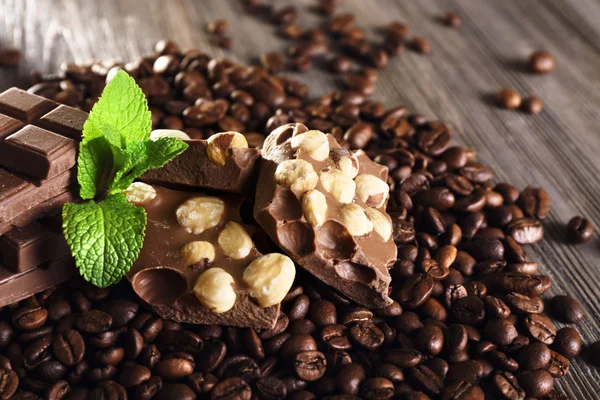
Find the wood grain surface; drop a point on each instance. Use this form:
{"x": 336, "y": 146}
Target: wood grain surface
{"x": 558, "y": 150}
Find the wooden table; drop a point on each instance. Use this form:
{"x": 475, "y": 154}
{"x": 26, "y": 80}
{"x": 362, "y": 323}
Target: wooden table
{"x": 558, "y": 150}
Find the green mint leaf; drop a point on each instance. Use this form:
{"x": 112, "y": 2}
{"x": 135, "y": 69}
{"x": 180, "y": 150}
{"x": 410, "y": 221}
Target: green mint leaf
{"x": 105, "y": 238}
{"x": 124, "y": 108}
{"x": 147, "y": 155}
{"x": 97, "y": 165}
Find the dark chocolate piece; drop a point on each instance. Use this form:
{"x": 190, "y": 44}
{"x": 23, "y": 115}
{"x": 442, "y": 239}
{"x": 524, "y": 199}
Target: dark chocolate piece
{"x": 45, "y": 209}
{"x": 8, "y": 126}
{"x": 165, "y": 275}
{"x": 18, "y": 196}
{"x": 37, "y": 153}
{"x": 325, "y": 206}
{"x": 16, "y": 286}
{"x": 64, "y": 120}
{"x": 194, "y": 169}
{"x": 24, "y": 106}
{"x": 24, "y": 248}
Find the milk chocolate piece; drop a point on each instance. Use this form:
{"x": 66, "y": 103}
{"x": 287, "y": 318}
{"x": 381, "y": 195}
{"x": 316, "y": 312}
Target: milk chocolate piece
{"x": 46, "y": 209}
{"x": 328, "y": 232}
{"x": 64, "y": 120}
{"x": 8, "y": 126}
{"x": 37, "y": 153}
{"x": 24, "y": 248}
{"x": 26, "y": 107}
{"x": 193, "y": 169}
{"x": 16, "y": 286}
{"x": 18, "y": 196}
{"x": 163, "y": 278}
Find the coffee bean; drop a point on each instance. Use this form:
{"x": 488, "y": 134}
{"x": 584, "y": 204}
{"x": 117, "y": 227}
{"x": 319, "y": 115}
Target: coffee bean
{"x": 181, "y": 392}
{"x": 503, "y": 362}
{"x": 271, "y": 388}
{"x": 121, "y": 311}
{"x": 415, "y": 290}
{"x": 463, "y": 391}
{"x": 540, "y": 328}
{"x": 310, "y": 365}
{"x": 112, "y": 356}
{"x": 519, "y": 283}
{"x": 349, "y": 378}
{"x": 541, "y": 62}
{"x": 322, "y": 312}
{"x": 201, "y": 383}
{"x": 231, "y": 388}
{"x": 178, "y": 341}
{"x": 297, "y": 344}
{"x": 579, "y": 230}
{"x": 403, "y": 358}
{"x": 426, "y": 380}
{"x": 299, "y": 308}
{"x": 568, "y": 342}
{"x": 507, "y": 385}
{"x": 536, "y": 383}
{"x": 9, "y": 382}
{"x": 94, "y": 321}
{"x": 500, "y": 331}
{"x": 133, "y": 375}
{"x": 509, "y": 99}
{"x": 535, "y": 202}
{"x": 532, "y": 105}
{"x": 30, "y": 318}
{"x": 419, "y": 44}
{"x": 558, "y": 366}
{"x": 468, "y": 310}
{"x": 535, "y": 356}
{"x": 521, "y": 304}
{"x": 59, "y": 390}
{"x": 175, "y": 366}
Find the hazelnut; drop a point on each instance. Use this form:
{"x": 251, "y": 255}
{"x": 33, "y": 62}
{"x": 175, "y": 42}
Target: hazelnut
{"x": 219, "y": 145}
{"x": 314, "y": 143}
{"x": 297, "y": 175}
{"x": 314, "y": 207}
{"x": 372, "y": 190}
{"x": 338, "y": 184}
{"x": 346, "y": 161}
{"x": 139, "y": 193}
{"x": 198, "y": 252}
{"x": 356, "y": 220}
{"x": 161, "y": 133}
{"x": 200, "y": 213}
{"x": 235, "y": 241}
{"x": 270, "y": 278}
{"x": 381, "y": 225}
{"x": 214, "y": 289}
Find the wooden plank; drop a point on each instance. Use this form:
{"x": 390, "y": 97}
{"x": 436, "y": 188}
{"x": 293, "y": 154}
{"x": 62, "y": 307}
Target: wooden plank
{"x": 557, "y": 149}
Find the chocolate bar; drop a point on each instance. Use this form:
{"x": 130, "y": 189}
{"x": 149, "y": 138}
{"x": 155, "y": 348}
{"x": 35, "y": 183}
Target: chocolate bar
{"x": 64, "y": 120}
{"x": 8, "y": 126}
{"x": 24, "y": 248}
{"x": 223, "y": 162}
{"x": 199, "y": 263}
{"x": 25, "y": 107}
{"x": 325, "y": 206}
{"x": 37, "y": 153}
{"x": 20, "y": 285}
{"x": 47, "y": 209}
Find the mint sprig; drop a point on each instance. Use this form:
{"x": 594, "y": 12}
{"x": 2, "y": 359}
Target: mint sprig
{"x": 106, "y": 232}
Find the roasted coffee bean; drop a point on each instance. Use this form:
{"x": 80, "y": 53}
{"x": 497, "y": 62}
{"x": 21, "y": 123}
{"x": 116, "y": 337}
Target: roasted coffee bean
{"x": 367, "y": 335}
{"x": 500, "y": 331}
{"x": 536, "y": 383}
{"x": 535, "y": 202}
{"x": 149, "y": 356}
{"x": 558, "y": 366}
{"x": 403, "y": 358}
{"x": 540, "y": 328}
{"x": 541, "y": 62}
{"x": 30, "y": 317}
{"x": 419, "y": 44}
{"x": 566, "y": 309}
{"x": 535, "y": 356}
{"x": 59, "y": 390}
{"x": 568, "y": 342}
{"x": 299, "y": 308}
{"x": 133, "y": 375}
{"x": 518, "y": 283}
{"x": 415, "y": 290}
{"x": 310, "y": 365}
{"x": 503, "y": 362}
{"x": 112, "y": 356}
{"x": 579, "y": 230}
{"x": 201, "y": 383}
{"x": 38, "y": 351}
{"x": 521, "y": 304}
{"x": 468, "y": 310}
{"x": 9, "y": 382}
{"x": 121, "y": 311}
{"x": 148, "y": 389}
{"x": 509, "y": 99}
{"x": 100, "y": 373}
{"x": 175, "y": 366}
{"x": 297, "y": 344}
{"x": 430, "y": 340}
{"x": 181, "y": 392}
{"x": 178, "y": 341}
{"x": 532, "y": 105}
{"x": 463, "y": 391}
{"x": 426, "y": 380}
{"x": 322, "y": 312}
{"x": 349, "y": 378}
{"x": 271, "y": 388}
{"x": 94, "y": 321}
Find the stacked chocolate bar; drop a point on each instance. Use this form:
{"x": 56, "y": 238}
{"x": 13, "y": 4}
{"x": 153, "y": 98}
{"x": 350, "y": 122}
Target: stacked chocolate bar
{"x": 38, "y": 153}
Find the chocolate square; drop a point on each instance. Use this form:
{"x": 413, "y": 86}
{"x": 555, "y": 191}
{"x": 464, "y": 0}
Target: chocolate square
{"x": 38, "y": 153}
{"x": 8, "y": 126}
{"x": 64, "y": 120}
{"x": 24, "y": 106}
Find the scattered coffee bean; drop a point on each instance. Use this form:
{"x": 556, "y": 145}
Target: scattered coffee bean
{"x": 419, "y": 44}
{"x": 532, "y": 105}
{"x": 450, "y": 19}
{"x": 566, "y": 309}
{"x": 541, "y": 62}
{"x": 509, "y": 99}
{"x": 579, "y": 230}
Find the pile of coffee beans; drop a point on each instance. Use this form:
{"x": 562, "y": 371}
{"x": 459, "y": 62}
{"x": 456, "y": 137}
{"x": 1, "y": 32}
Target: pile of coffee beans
{"x": 467, "y": 319}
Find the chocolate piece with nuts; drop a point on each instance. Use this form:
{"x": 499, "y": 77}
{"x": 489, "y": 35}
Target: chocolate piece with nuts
{"x": 199, "y": 263}
{"x": 223, "y": 162}
{"x": 325, "y": 206}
